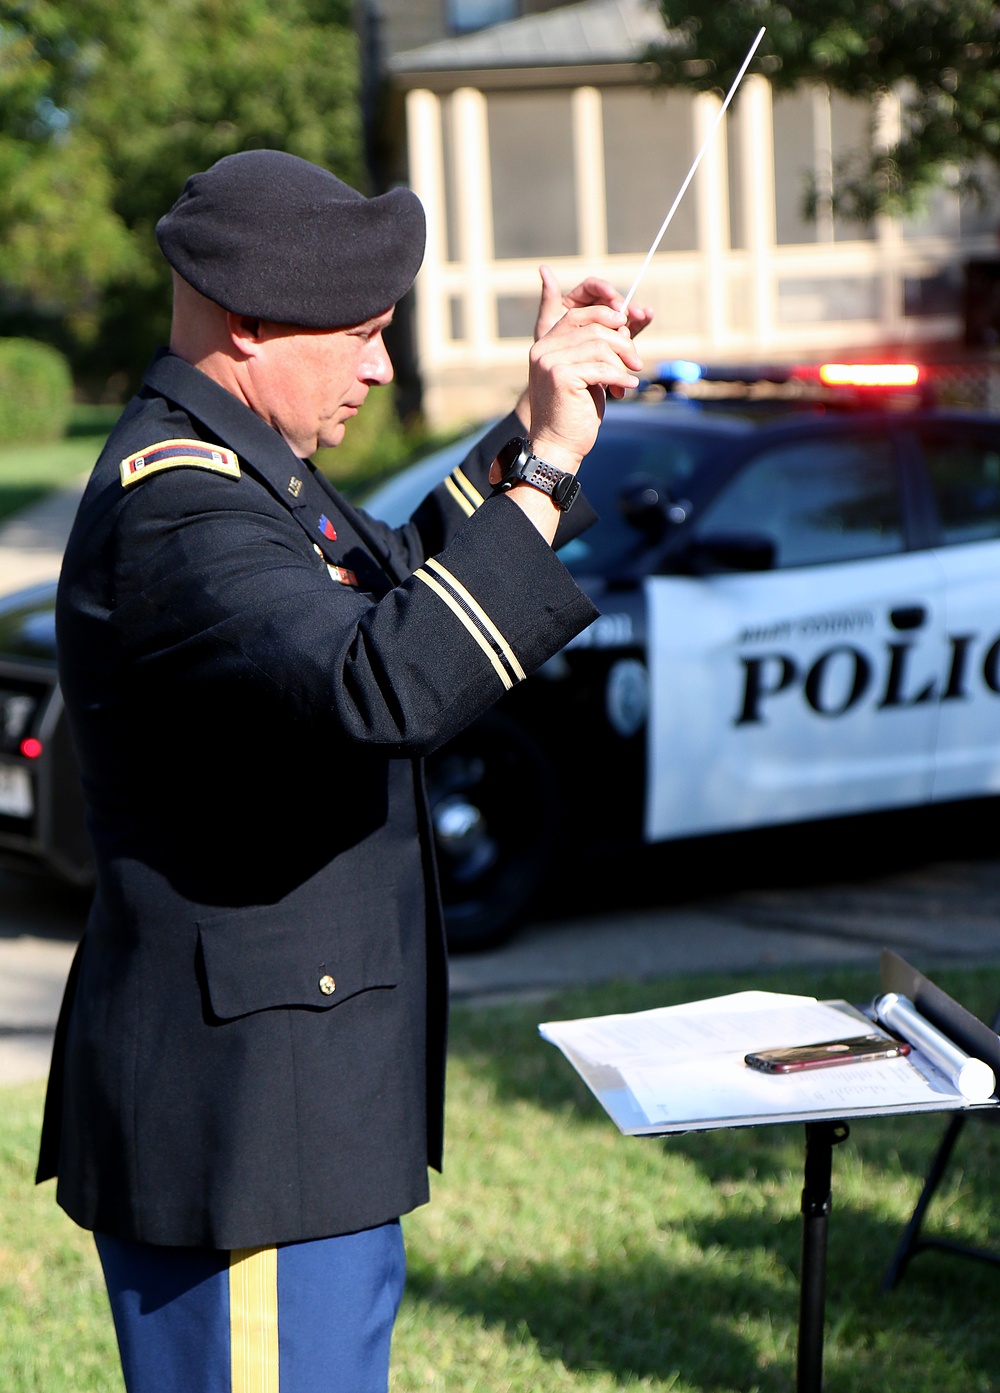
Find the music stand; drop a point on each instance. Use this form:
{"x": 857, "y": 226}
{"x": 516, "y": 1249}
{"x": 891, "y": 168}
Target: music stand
{"x": 824, "y": 1129}
{"x": 911, "y": 1243}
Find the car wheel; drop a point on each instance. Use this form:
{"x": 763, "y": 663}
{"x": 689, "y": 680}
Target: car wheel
{"x": 493, "y": 805}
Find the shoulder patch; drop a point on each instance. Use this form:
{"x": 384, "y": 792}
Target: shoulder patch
{"x": 172, "y": 454}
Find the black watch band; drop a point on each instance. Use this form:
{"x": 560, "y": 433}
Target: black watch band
{"x": 519, "y": 465}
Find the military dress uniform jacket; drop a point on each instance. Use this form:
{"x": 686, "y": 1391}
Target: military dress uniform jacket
{"x": 251, "y": 1049}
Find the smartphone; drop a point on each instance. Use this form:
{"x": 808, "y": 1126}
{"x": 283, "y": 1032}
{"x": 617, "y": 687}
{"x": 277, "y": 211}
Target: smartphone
{"x": 853, "y": 1051}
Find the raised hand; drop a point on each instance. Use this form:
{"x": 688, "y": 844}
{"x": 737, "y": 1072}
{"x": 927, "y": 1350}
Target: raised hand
{"x": 553, "y": 306}
{"x": 591, "y": 291}
{"x": 587, "y": 352}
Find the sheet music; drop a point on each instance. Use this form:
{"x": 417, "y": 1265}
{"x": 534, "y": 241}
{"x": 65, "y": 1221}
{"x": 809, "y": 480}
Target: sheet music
{"x": 724, "y": 1087}
{"x": 741, "y": 1021}
{"x": 684, "y": 1065}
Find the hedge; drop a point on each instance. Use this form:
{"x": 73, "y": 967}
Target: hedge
{"x": 36, "y": 391}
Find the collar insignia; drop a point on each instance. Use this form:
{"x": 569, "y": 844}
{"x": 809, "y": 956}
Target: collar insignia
{"x": 174, "y": 454}
{"x": 294, "y": 486}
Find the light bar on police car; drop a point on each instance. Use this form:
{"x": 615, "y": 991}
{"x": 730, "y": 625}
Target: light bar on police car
{"x": 686, "y": 372}
{"x": 683, "y": 370}
{"x": 869, "y": 374}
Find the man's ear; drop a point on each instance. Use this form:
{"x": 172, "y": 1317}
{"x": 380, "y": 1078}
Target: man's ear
{"x": 245, "y": 333}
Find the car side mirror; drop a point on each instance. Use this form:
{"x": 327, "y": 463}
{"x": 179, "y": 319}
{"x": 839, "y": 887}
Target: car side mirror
{"x": 647, "y": 506}
{"x": 715, "y": 553}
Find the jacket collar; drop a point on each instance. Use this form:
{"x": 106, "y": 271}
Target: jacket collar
{"x": 231, "y": 421}
{"x": 265, "y": 452}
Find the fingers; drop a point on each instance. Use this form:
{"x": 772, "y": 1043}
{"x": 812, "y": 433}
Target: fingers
{"x": 550, "y": 285}
{"x": 597, "y": 321}
{"x": 639, "y": 317}
{"x": 551, "y": 306}
{"x": 595, "y": 291}
{"x": 570, "y": 370}
{"x": 593, "y": 314}
{"x": 594, "y": 352}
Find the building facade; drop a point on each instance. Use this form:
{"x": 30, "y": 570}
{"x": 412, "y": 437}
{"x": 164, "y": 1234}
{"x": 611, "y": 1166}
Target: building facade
{"x": 543, "y": 139}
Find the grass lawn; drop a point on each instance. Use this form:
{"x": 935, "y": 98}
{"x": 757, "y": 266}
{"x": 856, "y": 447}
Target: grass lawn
{"x": 29, "y": 472}
{"x": 558, "y": 1255}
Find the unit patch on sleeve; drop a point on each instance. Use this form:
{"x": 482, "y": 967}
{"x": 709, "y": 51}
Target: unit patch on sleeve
{"x": 172, "y": 454}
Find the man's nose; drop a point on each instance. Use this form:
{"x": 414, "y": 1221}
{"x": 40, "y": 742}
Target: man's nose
{"x": 377, "y": 366}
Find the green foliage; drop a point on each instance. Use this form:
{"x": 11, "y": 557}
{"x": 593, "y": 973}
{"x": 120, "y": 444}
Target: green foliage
{"x": 36, "y": 391}
{"x": 561, "y": 1257}
{"x": 942, "y": 56}
{"x": 105, "y": 110}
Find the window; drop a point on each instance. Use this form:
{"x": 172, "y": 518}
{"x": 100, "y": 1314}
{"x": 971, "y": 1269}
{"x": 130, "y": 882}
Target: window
{"x": 818, "y": 501}
{"x": 965, "y": 477}
{"x": 626, "y": 453}
{"x": 648, "y": 145}
{"x": 817, "y": 136}
{"x": 794, "y": 163}
{"x": 530, "y": 132}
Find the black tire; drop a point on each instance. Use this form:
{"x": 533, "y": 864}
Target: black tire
{"x": 494, "y": 805}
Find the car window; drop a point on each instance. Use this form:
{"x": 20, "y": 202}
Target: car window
{"x": 817, "y": 501}
{"x": 965, "y": 476}
{"x": 625, "y": 453}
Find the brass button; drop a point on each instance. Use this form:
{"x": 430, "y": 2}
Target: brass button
{"x": 327, "y": 985}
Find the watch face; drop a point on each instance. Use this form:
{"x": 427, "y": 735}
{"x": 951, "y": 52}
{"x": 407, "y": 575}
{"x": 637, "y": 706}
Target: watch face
{"x": 508, "y": 454}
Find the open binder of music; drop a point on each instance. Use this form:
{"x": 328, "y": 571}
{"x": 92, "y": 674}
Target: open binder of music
{"x": 682, "y": 1068}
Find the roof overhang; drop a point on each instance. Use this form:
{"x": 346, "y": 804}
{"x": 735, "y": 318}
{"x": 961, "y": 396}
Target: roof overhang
{"x": 522, "y": 79}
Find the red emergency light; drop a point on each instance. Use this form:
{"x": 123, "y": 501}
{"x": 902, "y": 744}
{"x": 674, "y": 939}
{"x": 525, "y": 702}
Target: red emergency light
{"x": 869, "y": 374}
{"x": 30, "y": 747}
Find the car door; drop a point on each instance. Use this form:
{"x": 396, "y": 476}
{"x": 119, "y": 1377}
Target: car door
{"x": 963, "y": 469}
{"x": 806, "y": 689}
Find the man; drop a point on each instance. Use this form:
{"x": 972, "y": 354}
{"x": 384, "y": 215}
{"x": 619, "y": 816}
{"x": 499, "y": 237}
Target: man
{"x": 247, "y": 1080}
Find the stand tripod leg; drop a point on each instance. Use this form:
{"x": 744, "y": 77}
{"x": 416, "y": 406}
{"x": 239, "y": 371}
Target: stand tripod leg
{"x": 821, "y": 1138}
{"x": 910, "y": 1241}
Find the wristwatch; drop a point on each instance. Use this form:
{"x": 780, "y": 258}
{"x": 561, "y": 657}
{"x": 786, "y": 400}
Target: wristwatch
{"x": 518, "y": 465}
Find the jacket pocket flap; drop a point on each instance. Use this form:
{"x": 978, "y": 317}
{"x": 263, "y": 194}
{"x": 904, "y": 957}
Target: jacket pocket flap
{"x": 277, "y": 955}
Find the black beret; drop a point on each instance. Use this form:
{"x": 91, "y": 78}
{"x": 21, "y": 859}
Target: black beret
{"x": 269, "y": 235}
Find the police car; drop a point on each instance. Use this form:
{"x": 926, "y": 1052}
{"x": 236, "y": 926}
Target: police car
{"x": 798, "y": 573}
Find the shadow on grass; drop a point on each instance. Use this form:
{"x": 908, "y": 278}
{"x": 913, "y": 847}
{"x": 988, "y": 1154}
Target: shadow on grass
{"x": 634, "y": 1319}
{"x": 730, "y": 1322}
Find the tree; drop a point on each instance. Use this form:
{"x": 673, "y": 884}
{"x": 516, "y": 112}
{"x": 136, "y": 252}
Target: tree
{"x": 60, "y": 240}
{"x": 941, "y": 56}
{"x": 126, "y": 100}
